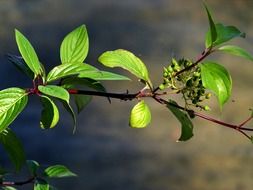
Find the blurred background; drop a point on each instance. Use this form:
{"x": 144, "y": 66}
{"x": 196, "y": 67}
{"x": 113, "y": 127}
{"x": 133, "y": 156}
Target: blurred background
{"x": 105, "y": 152}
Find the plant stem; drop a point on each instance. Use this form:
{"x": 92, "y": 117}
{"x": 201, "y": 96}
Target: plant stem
{"x": 18, "y": 183}
{"x": 203, "y": 55}
{"x": 121, "y": 96}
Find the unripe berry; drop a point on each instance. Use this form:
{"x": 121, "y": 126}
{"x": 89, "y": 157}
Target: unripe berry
{"x": 161, "y": 86}
{"x": 206, "y": 108}
{"x": 169, "y": 69}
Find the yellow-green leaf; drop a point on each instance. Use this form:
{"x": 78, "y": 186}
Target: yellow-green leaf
{"x": 28, "y": 53}
{"x": 55, "y": 91}
{"x": 126, "y": 60}
{"x": 75, "y": 46}
{"x": 12, "y": 102}
{"x": 140, "y": 115}
{"x": 49, "y": 113}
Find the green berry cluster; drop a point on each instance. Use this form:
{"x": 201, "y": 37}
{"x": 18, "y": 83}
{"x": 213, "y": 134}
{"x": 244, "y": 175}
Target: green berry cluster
{"x": 188, "y": 83}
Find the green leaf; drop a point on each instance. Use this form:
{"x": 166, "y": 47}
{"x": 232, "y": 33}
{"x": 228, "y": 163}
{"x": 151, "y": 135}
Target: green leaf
{"x": 224, "y": 34}
{"x": 58, "y": 171}
{"x": 103, "y": 75}
{"x": 75, "y": 46}
{"x": 140, "y": 115}
{"x": 216, "y": 78}
{"x": 81, "y": 101}
{"x": 126, "y": 60}
{"x": 28, "y": 53}
{"x": 69, "y": 69}
{"x": 235, "y": 50}
{"x": 13, "y": 147}
{"x": 41, "y": 184}
{"x": 55, "y": 91}
{"x": 12, "y": 102}
{"x": 8, "y": 188}
{"x": 19, "y": 63}
{"x": 213, "y": 33}
{"x": 33, "y": 166}
{"x": 49, "y": 113}
{"x": 186, "y": 124}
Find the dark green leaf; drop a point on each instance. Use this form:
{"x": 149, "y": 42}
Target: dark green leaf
{"x": 235, "y": 50}
{"x": 49, "y": 113}
{"x": 58, "y": 171}
{"x": 13, "y": 147}
{"x": 224, "y": 34}
{"x": 69, "y": 69}
{"x": 33, "y": 167}
{"x": 212, "y": 36}
{"x": 74, "y": 82}
{"x": 75, "y": 46}
{"x": 126, "y": 60}
{"x": 41, "y": 184}
{"x": 140, "y": 115}
{"x": 12, "y": 102}
{"x": 28, "y": 53}
{"x": 216, "y": 78}
{"x": 186, "y": 124}
{"x": 71, "y": 112}
{"x": 55, "y": 91}
{"x": 81, "y": 101}
{"x": 20, "y": 65}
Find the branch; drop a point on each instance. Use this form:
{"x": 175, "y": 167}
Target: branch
{"x": 203, "y": 55}
{"x": 18, "y": 183}
{"x": 121, "y": 96}
{"x": 193, "y": 113}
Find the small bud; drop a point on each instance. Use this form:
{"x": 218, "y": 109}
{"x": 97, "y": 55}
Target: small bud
{"x": 169, "y": 69}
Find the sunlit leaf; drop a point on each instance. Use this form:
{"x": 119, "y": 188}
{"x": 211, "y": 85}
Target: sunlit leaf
{"x": 213, "y": 33}
{"x": 103, "y": 75}
{"x": 8, "y": 188}
{"x": 235, "y": 50}
{"x": 28, "y": 53}
{"x": 58, "y": 171}
{"x": 12, "y": 102}
{"x": 140, "y": 115}
{"x": 69, "y": 69}
{"x": 55, "y": 91}
{"x": 13, "y": 147}
{"x": 126, "y": 60}
{"x": 224, "y": 34}
{"x": 41, "y": 184}
{"x": 49, "y": 113}
{"x": 75, "y": 46}
{"x": 186, "y": 124}
{"x": 216, "y": 78}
